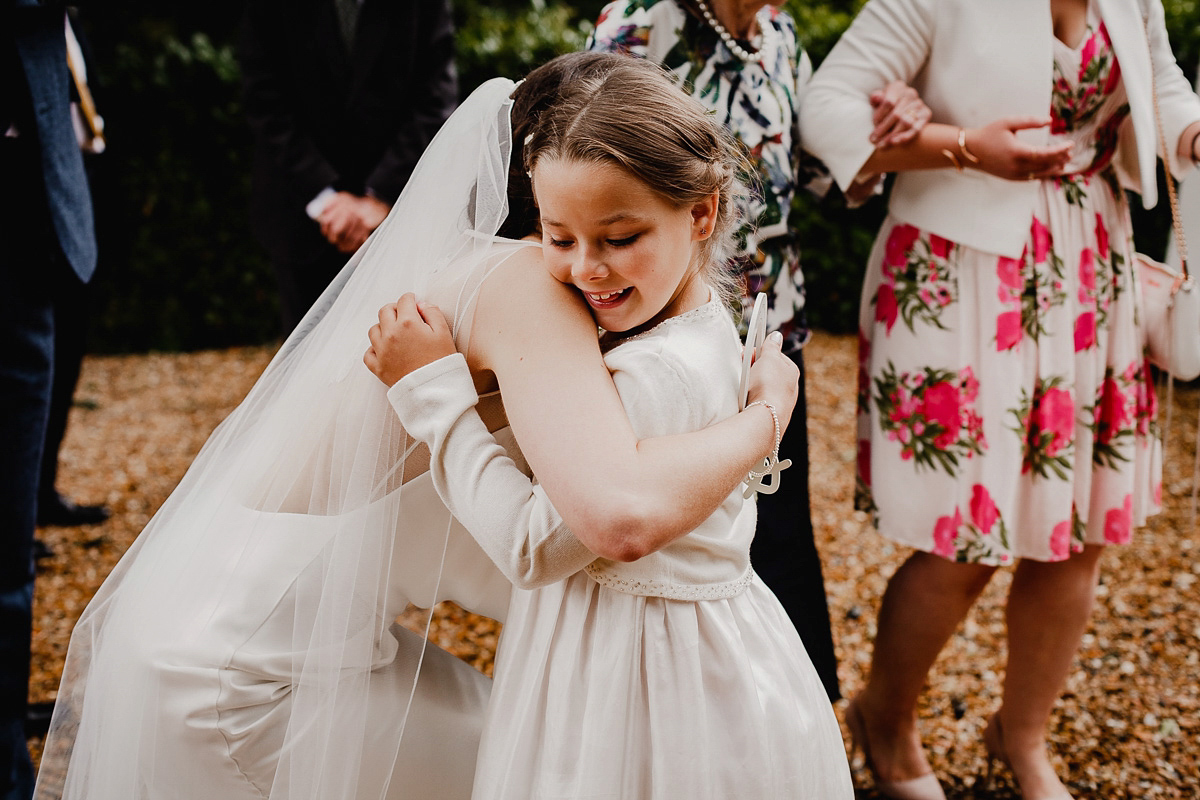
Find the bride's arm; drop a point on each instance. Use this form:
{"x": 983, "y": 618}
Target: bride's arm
{"x": 618, "y": 495}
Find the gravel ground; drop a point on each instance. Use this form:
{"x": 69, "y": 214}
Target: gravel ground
{"x": 1125, "y": 727}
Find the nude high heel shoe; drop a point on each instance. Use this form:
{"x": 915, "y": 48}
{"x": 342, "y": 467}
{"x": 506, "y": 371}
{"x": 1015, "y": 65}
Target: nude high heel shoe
{"x": 993, "y": 743}
{"x": 925, "y": 787}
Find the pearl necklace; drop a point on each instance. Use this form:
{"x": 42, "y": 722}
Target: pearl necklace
{"x": 727, "y": 37}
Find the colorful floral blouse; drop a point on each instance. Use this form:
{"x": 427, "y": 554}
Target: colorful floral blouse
{"x": 757, "y": 102}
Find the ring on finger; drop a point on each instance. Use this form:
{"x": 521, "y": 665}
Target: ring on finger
{"x": 1032, "y": 176}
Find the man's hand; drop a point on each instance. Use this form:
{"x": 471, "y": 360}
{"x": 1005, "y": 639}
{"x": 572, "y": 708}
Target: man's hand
{"x": 348, "y": 219}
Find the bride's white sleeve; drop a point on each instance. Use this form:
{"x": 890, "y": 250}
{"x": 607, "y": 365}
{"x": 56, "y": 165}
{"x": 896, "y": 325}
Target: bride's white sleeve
{"x": 509, "y": 515}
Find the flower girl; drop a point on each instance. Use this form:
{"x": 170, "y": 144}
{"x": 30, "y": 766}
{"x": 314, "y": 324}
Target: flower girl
{"x": 663, "y": 668}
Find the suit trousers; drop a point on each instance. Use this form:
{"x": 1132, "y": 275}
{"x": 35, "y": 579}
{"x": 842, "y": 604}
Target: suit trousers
{"x": 31, "y": 264}
{"x": 71, "y": 314}
{"x": 26, "y": 354}
{"x": 784, "y": 553}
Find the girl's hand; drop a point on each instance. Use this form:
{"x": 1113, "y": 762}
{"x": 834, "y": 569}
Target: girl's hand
{"x": 1001, "y": 153}
{"x": 899, "y": 114}
{"x": 774, "y": 379}
{"x": 410, "y": 334}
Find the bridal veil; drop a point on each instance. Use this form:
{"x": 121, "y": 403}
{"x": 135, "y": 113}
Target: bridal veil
{"x": 244, "y": 635}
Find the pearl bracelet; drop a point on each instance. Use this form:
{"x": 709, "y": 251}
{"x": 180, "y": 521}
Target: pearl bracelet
{"x": 771, "y": 465}
{"x": 773, "y": 458}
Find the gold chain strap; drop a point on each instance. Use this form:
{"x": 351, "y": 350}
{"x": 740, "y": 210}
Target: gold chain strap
{"x": 1181, "y": 245}
{"x": 1173, "y": 199}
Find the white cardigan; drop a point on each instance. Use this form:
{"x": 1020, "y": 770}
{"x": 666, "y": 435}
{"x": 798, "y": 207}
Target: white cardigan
{"x": 974, "y": 61}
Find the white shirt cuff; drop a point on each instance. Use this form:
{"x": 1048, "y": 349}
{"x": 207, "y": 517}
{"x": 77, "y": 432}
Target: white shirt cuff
{"x": 318, "y": 203}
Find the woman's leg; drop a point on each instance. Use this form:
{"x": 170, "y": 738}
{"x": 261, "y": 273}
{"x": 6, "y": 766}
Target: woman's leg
{"x": 1049, "y": 606}
{"x": 925, "y": 601}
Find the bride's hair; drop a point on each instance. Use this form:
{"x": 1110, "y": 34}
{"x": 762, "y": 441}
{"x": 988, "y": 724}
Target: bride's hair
{"x": 627, "y": 111}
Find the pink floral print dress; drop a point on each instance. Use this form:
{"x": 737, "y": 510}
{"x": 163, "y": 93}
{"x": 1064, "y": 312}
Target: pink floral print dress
{"x": 1005, "y": 408}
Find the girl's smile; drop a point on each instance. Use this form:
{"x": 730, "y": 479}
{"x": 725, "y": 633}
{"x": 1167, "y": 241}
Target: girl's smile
{"x": 630, "y": 252}
{"x": 606, "y": 300}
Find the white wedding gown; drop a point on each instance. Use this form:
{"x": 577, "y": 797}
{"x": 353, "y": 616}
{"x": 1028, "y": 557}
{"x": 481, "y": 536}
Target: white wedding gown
{"x": 215, "y": 680}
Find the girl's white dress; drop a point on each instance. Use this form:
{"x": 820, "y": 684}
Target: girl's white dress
{"x": 675, "y": 676}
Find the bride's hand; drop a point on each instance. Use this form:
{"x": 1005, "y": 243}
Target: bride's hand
{"x": 409, "y": 335}
{"x": 774, "y": 379}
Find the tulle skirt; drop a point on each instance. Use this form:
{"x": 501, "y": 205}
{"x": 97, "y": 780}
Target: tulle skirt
{"x": 193, "y": 687}
{"x": 601, "y": 694}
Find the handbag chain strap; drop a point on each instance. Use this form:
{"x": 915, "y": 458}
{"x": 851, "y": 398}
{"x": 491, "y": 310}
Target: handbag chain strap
{"x": 1181, "y": 246}
{"x": 1173, "y": 199}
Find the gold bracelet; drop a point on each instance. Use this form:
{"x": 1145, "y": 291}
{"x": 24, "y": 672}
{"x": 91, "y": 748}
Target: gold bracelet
{"x": 953, "y": 159}
{"x": 962, "y": 147}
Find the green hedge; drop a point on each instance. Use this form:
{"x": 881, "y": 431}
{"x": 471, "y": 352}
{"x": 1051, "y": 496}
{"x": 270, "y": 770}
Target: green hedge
{"x": 179, "y": 269}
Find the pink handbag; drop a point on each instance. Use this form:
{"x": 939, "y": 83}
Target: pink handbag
{"x": 1170, "y": 305}
{"x": 1170, "y": 300}
{"x": 1170, "y": 316}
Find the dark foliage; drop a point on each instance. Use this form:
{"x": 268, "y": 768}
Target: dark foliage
{"x": 179, "y": 268}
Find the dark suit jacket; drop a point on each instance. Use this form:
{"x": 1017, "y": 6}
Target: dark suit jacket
{"x": 322, "y": 117}
{"x": 44, "y": 208}
{"x": 46, "y": 164}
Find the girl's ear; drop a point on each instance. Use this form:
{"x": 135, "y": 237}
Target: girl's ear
{"x": 704, "y": 216}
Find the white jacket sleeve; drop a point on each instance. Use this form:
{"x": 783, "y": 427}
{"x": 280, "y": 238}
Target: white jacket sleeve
{"x": 1177, "y": 102}
{"x": 508, "y": 515}
{"x": 888, "y": 40}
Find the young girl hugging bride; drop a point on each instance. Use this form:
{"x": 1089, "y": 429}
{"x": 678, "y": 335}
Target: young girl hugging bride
{"x": 663, "y": 667}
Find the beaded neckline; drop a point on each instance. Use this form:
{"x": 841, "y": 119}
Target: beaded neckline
{"x": 712, "y": 307}
{"x": 765, "y": 30}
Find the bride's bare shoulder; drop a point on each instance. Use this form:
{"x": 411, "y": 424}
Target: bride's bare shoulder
{"x": 521, "y": 306}
{"x": 524, "y": 267}
{"x": 521, "y": 285}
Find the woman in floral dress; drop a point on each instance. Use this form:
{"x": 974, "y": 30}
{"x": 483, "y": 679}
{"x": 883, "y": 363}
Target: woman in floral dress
{"x": 1006, "y": 412}
{"x": 741, "y": 59}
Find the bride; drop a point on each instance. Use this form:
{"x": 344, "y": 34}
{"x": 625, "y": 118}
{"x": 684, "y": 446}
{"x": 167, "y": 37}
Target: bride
{"x": 244, "y": 646}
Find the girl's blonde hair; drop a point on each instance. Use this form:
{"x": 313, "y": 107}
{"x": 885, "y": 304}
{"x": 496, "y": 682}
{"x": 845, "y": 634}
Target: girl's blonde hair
{"x": 627, "y": 111}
